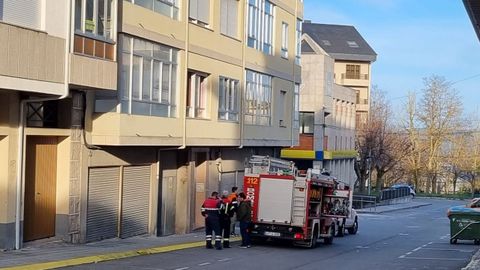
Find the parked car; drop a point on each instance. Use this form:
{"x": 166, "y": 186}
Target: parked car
{"x": 474, "y": 203}
{"x": 411, "y": 189}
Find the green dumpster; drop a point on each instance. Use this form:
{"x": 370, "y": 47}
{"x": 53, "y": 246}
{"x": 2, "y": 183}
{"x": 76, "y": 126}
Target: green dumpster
{"x": 464, "y": 224}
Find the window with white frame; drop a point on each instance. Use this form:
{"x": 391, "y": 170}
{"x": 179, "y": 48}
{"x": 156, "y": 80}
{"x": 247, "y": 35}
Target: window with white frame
{"x": 284, "y": 40}
{"x": 165, "y": 7}
{"x": 258, "y": 99}
{"x": 298, "y": 51}
{"x": 148, "y": 78}
{"x": 260, "y": 25}
{"x": 95, "y": 18}
{"x": 197, "y": 98}
{"x": 229, "y": 17}
{"x": 228, "y": 99}
{"x": 296, "y": 106}
{"x": 199, "y": 12}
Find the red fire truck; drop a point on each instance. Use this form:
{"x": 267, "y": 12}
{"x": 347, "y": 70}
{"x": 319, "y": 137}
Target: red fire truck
{"x": 286, "y": 204}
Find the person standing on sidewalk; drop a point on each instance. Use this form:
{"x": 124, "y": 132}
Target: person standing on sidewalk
{"x": 226, "y": 213}
{"x": 211, "y": 211}
{"x": 234, "y": 200}
{"x": 244, "y": 215}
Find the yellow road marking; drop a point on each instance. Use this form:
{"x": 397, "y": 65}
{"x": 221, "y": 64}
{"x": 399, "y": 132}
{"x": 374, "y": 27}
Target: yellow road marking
{"x": 107, "y": 257}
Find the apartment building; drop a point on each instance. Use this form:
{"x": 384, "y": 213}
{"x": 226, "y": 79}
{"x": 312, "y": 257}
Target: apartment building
{"x": 144, "y": 106}
{"x": 352, "y": 56}
{"x": 327, "y": 117}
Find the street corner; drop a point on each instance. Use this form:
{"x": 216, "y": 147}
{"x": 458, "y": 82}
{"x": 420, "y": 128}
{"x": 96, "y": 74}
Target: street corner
{"x": 474, "y": 263}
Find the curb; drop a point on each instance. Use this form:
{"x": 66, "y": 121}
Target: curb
{"x": 393, "y": 210}
{"x": 474, "y": 263}
{"x": 109, "y": 256}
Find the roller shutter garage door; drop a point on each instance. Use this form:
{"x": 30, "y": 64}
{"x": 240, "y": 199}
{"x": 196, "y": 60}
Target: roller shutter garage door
{"x": 135, "y": 201}
{"x": 102, "y": 205}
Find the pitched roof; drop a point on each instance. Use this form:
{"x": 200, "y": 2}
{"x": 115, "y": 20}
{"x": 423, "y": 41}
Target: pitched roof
{"x": 342, "y": 42}
{"x": 306, "y": 48}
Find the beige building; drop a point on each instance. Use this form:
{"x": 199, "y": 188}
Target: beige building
{"x": 327, "y": 117}
{"x": 144, "y": 107}
{"x": 353, "y": 57}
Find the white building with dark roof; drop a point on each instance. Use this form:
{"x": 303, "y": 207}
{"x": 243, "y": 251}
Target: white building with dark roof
{"x": 352, "y": 56}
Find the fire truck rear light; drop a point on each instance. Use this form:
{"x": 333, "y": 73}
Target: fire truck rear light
{"x": 298, "y": 236}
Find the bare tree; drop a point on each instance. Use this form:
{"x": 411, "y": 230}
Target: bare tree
{"x": 470, "y": 168}
{"x": 378, "y": 143}
{"x": 389, "y": 144}
{"x": 438, "y": 113}
{"x": 413, "y": 160}
{"x": 455, "y": 157}
{"x": 364, "y": 143}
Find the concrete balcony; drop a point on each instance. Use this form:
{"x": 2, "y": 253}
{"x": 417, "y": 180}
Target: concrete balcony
{"x": 91, "y": 72}
{"x": 354, "y": 80}
{"x": 31, "y": 60}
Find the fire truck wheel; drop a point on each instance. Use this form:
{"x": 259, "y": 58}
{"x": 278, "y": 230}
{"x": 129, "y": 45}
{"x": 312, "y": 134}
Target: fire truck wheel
{"x": 329, "y": 240}
{"x": 354, "y": 228}
{"x": 313, "y": 241}
{"x": 341, "y": 228}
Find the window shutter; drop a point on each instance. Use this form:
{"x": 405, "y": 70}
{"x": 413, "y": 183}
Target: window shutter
{"x": 193, "y": 9}
{"x": 203, "y": 11}
{"x": 22, "y": 12}
{"x": 224, "y": 16}
{"x": 232, "y": 17}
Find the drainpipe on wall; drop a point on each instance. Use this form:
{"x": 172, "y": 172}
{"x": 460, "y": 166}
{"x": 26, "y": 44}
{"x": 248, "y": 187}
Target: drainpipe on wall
{"x": 20, "y": 181}
{"x": 244, "y": 72}
{"x": 187, "y": 40}
{"x": 293, "y": 72}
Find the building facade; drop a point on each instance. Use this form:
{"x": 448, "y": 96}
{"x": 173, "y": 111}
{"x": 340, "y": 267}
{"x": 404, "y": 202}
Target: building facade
{"x": 327, "y": 117}
{"x": 353, "y": 58}
{"x": 146, "y": 107}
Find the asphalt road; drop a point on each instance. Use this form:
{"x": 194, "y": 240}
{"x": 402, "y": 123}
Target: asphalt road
{"x": 406, "y": 239}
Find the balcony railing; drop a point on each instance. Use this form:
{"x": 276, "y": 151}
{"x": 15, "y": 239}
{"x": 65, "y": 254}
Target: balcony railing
{"x": 362, "y": 101}
{"x": 350, "y": 76}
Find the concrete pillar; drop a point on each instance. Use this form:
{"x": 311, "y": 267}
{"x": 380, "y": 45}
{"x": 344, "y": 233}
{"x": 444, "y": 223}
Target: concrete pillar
{"x": 75, "y": 167}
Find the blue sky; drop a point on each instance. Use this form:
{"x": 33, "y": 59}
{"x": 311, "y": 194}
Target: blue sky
{"x": 413, "y": 39}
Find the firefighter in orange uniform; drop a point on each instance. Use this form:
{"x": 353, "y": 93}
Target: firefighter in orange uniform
{"x": 211, "y": 211}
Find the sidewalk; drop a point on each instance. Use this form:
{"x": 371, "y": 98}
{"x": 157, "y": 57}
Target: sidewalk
{"x": 392, "y": 207}
{"x": 474, "y": 263}
{"x": 53, "y": 254}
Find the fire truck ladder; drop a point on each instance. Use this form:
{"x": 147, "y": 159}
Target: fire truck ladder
{"x": 266, "y": 164}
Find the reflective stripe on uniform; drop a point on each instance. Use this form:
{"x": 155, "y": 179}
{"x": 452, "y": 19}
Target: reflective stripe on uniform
{"x": 209, "y": 209}
{"x": 226, "y": 239}
{"x": 208, "y": 237}
{"x": 218, "y": 237}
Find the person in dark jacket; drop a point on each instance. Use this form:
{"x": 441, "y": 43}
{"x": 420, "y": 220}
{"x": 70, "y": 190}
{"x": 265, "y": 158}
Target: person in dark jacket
{"x": 211, "y": 211}
{"x": 244, "y": 215}
{"x": 226, "y": 213}
{"x": 233, "y": 199}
